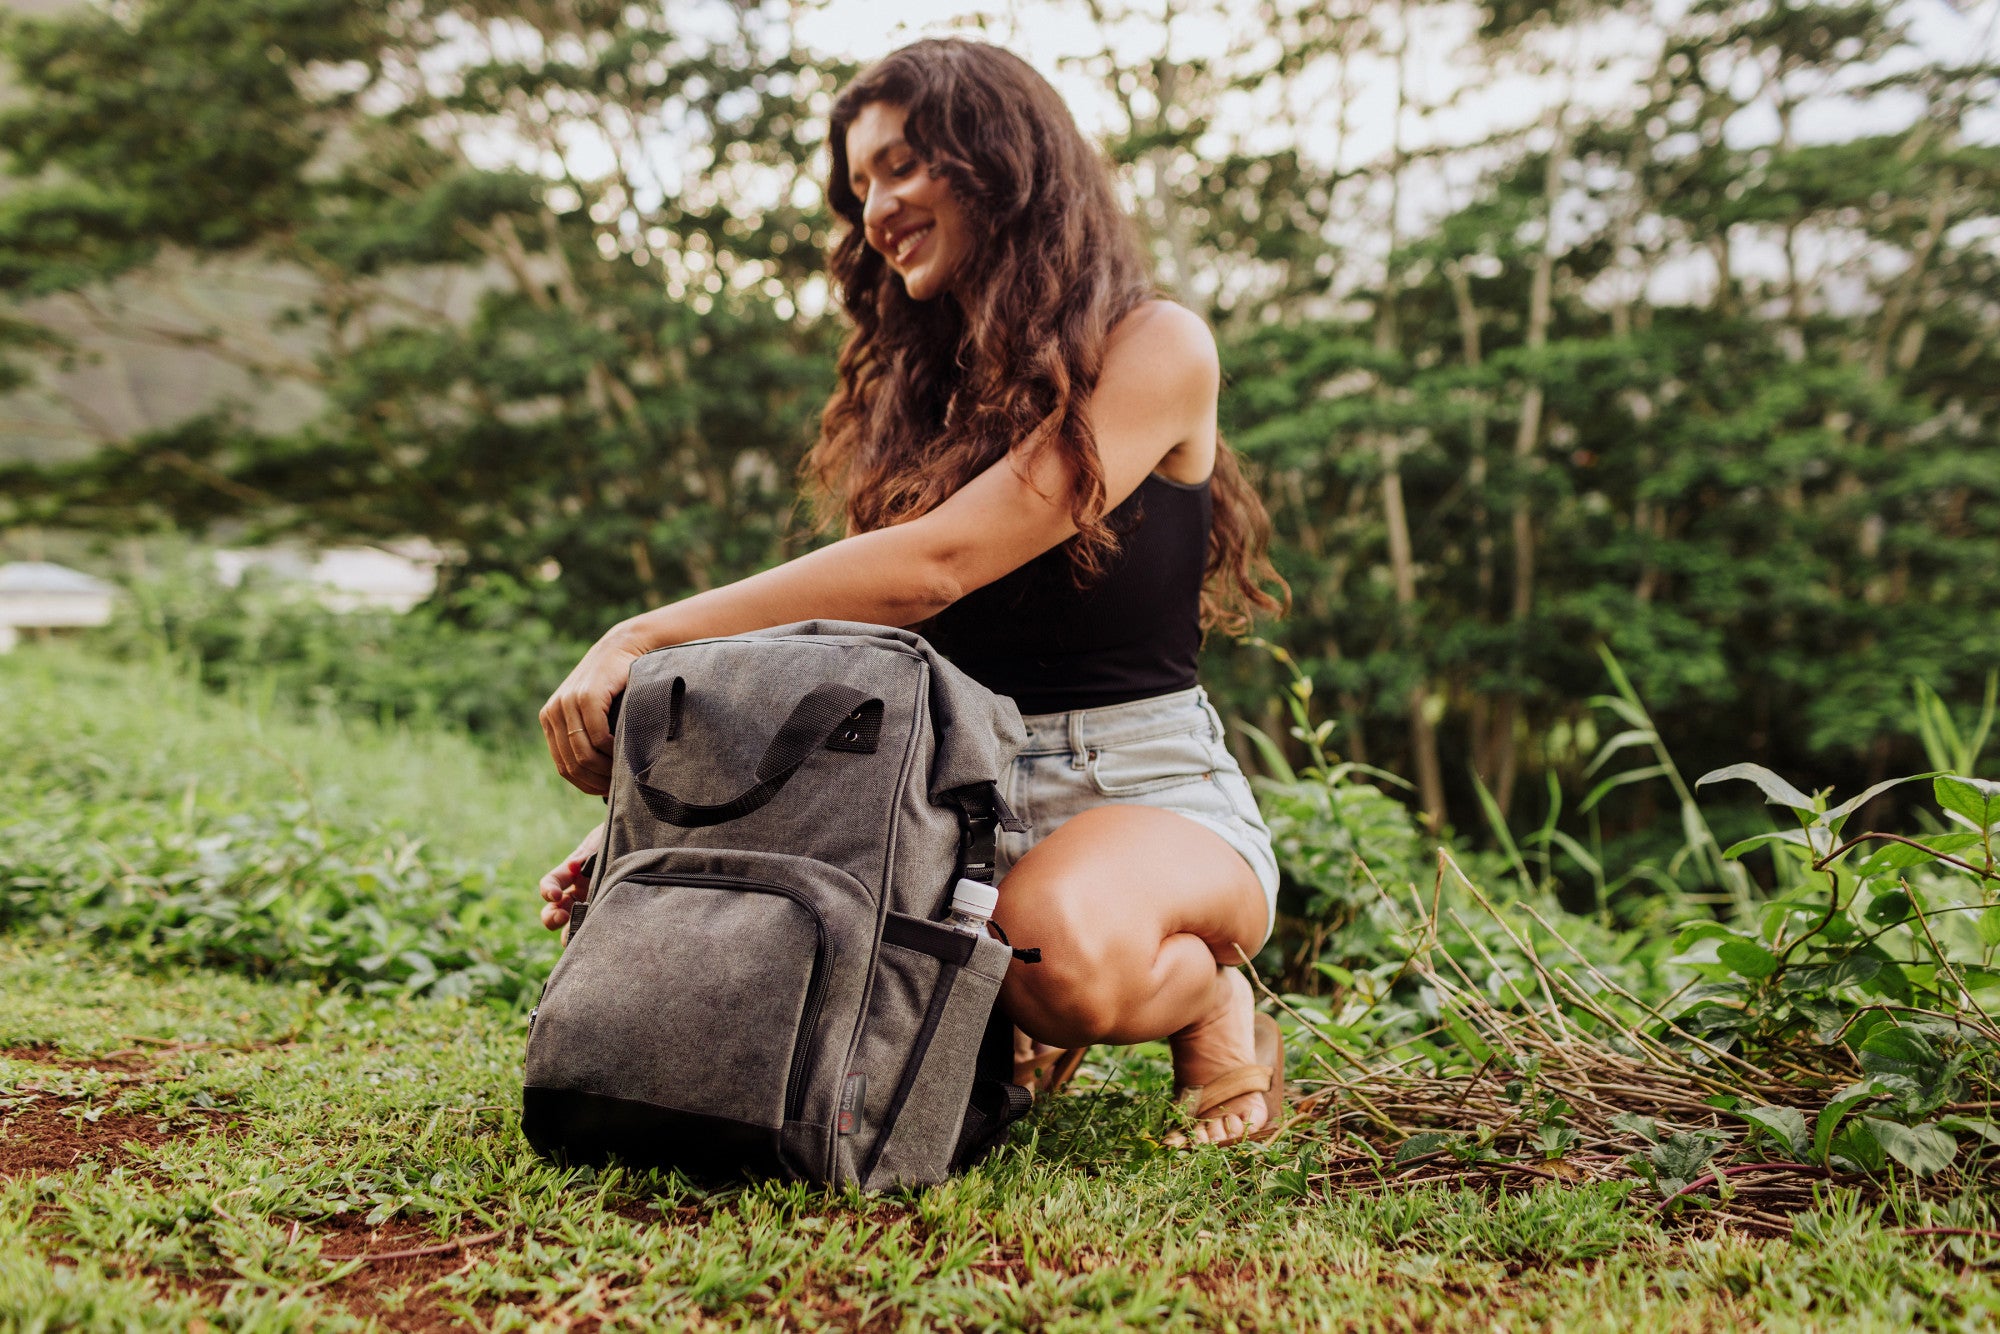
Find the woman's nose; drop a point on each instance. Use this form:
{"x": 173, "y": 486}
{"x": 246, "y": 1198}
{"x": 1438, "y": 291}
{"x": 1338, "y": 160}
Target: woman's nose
{"x": 880, "y": 205}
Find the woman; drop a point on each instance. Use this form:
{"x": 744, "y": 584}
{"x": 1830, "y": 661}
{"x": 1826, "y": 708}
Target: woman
{"x": 1024, "y": 444}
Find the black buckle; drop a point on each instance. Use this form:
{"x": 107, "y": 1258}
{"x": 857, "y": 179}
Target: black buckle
{"x": 978, "y": 832}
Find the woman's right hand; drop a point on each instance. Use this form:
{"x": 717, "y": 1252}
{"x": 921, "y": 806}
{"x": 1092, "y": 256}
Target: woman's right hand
{"x": 564, "y": 882}
{"x": 576, "y": 722}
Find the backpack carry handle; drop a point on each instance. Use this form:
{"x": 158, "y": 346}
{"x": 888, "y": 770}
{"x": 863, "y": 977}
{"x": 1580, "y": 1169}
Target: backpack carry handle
{"x": 832, "y": 715}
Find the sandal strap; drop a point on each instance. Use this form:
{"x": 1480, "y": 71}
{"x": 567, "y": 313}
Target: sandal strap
{"x": 1201, "y": 1099}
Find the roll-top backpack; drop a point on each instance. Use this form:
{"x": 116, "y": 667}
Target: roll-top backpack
{"x": 758, "y": 981}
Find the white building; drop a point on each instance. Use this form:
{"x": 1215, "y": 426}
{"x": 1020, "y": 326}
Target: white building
{"x": 394, "y": 577}
{"x": 38, "y": 595}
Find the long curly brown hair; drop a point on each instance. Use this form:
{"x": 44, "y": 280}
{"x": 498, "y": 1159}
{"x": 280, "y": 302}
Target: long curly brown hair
{"x": 933, "y": 392}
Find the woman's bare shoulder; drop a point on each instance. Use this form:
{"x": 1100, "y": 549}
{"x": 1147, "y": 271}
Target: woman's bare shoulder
{"x": 1162, "y": 327}
{"x": 1164, "y": 345}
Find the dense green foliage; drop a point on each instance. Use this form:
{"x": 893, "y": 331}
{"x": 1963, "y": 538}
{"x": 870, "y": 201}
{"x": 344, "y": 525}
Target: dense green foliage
{"x": 479, "y": 658}
{"x": 137, "y": 812}
{"x": 1689, "y": 371}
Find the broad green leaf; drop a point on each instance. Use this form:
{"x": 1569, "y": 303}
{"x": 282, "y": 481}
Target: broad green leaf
{"x": 1989, "y": 927}
{"x": 1925, "y": 1150}
{"x": 1556, "y": 1140}
{"x": 1846, "y": 808}
{"x": 1787, "y": 1125}
{"x": 1796, "y": 837}
{"x": 1683, "y": 1155}
{"x": 1979, "y": 979}
{"x": 1836, "y": 1109}
{"x": 1777, "y": 792}
{"x": 1642, "y": 1126}
{"x": 1973, "y": 1125}
{"x": 1746, "y": 958}
{"x": 1856, "y": 1144}
{"x": 1977, "y": 799}
{"x": 1826, "y": 1017}
{"x": 1421, "y": 1143}
{"x": 1892, "y": 1050}
{"x": 1889, "y": 909}
{"x": 1900, "y": 856}
{"x": 1700, "y": 931}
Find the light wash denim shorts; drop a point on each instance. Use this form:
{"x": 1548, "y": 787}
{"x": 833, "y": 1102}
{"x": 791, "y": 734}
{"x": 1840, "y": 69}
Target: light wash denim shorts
{"x": 1166, "y": 751}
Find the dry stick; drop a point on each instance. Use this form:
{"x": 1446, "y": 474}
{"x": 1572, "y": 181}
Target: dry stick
{"x": 1827, "y": 860}
{"x": 442, "y": 1248}
{"x": 1710, "y": 1178}
{"x": 1963, "y": 990}
{"x": 1706, "y": 1046}
{"x": 1534, "y": 960}
{"x": 1527, "y": 1016}
{"x": 1948, "y": 1232}
{"x": 1472, "y": 988}
{"x": 1585, "y": 1000}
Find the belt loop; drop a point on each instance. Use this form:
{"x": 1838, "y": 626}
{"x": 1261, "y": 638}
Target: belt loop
{"x": 1079, "y": 755}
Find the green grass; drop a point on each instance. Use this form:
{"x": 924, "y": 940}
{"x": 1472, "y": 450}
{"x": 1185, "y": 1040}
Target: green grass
{"x": 112, "y": 736}
{"x": 186, "y": 1144}
{"x": 285, "y": 1106}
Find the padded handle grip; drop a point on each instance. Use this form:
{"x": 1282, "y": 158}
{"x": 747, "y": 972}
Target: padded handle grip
{"x": 814, "y": 721}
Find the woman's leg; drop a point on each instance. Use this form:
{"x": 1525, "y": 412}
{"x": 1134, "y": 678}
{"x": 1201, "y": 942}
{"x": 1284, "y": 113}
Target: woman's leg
{"x": 1139, "y": 913}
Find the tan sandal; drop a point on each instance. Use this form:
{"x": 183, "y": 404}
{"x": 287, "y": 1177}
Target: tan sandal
{"x": 1046, "y": 1073}
{"x": 1267, "y": 1077}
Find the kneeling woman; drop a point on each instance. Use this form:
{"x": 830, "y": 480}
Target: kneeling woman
{"x": 1024, "y": 443}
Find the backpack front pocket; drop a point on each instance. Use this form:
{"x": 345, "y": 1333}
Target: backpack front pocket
{"x": 682, "y": 1023}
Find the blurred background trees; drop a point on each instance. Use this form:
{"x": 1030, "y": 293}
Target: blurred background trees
{"x": 1547, "y": 328}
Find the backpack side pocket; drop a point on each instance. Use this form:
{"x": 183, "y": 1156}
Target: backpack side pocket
{"x": 935, "y": 989}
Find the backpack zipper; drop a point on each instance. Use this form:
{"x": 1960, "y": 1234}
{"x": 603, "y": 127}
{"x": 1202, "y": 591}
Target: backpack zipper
{"x": 795, "y": 1078}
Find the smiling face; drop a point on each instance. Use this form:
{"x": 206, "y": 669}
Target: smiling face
{"x": 909, "y": 216}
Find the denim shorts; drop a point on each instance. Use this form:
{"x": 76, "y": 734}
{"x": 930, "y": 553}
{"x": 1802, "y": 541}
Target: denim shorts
{"x": 1166, "y": 751}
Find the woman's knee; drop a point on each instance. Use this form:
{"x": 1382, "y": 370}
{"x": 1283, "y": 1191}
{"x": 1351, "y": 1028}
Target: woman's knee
{"x": 1076, "y": 994}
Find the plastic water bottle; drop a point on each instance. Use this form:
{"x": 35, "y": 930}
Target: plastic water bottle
{"x": 971, "y": 907}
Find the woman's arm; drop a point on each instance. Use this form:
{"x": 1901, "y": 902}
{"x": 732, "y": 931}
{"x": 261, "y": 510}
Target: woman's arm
{"x": 1156, "y": 395}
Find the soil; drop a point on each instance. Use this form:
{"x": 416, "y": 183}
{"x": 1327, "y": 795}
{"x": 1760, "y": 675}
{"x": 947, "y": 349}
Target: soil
{"x": 38, "y": 1139}
{"x": 119, "y": 1062}
{"x": 397, "y": 1293}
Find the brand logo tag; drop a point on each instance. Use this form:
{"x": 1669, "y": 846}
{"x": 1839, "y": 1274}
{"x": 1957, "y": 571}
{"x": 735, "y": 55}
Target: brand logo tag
{"x": 852, "y": 1093}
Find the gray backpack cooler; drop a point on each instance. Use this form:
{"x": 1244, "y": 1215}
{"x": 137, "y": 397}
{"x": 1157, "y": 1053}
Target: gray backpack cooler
{"x": 758, "y": 982}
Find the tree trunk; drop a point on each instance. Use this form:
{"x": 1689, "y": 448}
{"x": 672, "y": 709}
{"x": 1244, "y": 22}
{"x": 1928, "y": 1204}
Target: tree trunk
{"x": 1395, "y": 516}
{"x": 1527, "y": 440}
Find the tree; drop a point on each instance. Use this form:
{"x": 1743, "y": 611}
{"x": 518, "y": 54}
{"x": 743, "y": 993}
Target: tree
{"x": 551, "y": 259}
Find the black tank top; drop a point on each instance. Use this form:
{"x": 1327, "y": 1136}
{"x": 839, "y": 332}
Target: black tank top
{"x": 1132, "y": 633}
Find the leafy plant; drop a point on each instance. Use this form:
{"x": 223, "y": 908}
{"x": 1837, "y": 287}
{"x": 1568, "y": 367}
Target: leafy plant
{"x": 1877, "y": 963}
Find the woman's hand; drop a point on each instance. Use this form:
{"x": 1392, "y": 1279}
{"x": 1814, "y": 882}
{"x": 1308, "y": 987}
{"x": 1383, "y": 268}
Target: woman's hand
{"x": 562, "y": 884}
{"x": 577, "y": 719}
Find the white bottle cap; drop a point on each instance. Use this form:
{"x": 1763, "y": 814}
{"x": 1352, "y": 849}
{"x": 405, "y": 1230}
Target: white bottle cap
{"x": 974, "y": 899}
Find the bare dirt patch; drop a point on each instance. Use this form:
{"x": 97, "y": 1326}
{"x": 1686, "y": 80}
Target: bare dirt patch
{"x": 399, "y": 1289}
{"x": 40, "y": 1136}
{"x": 128, "y": 1062}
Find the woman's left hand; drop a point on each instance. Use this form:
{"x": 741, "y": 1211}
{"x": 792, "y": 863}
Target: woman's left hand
{"x": 577, "y": 719}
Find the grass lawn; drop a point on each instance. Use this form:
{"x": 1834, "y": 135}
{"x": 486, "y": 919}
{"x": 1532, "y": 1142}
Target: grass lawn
{"x": 198, "y": 1148}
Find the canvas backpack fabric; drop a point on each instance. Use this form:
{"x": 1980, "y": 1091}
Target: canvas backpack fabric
{"x": 758, "y": 981}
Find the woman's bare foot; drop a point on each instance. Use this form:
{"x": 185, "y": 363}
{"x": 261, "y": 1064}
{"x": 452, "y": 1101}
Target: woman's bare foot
{"x": 1214, "y": 1045}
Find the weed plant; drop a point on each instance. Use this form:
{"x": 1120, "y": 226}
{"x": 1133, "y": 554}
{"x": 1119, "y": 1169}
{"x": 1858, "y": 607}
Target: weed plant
{"x": 138, "y": 808}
